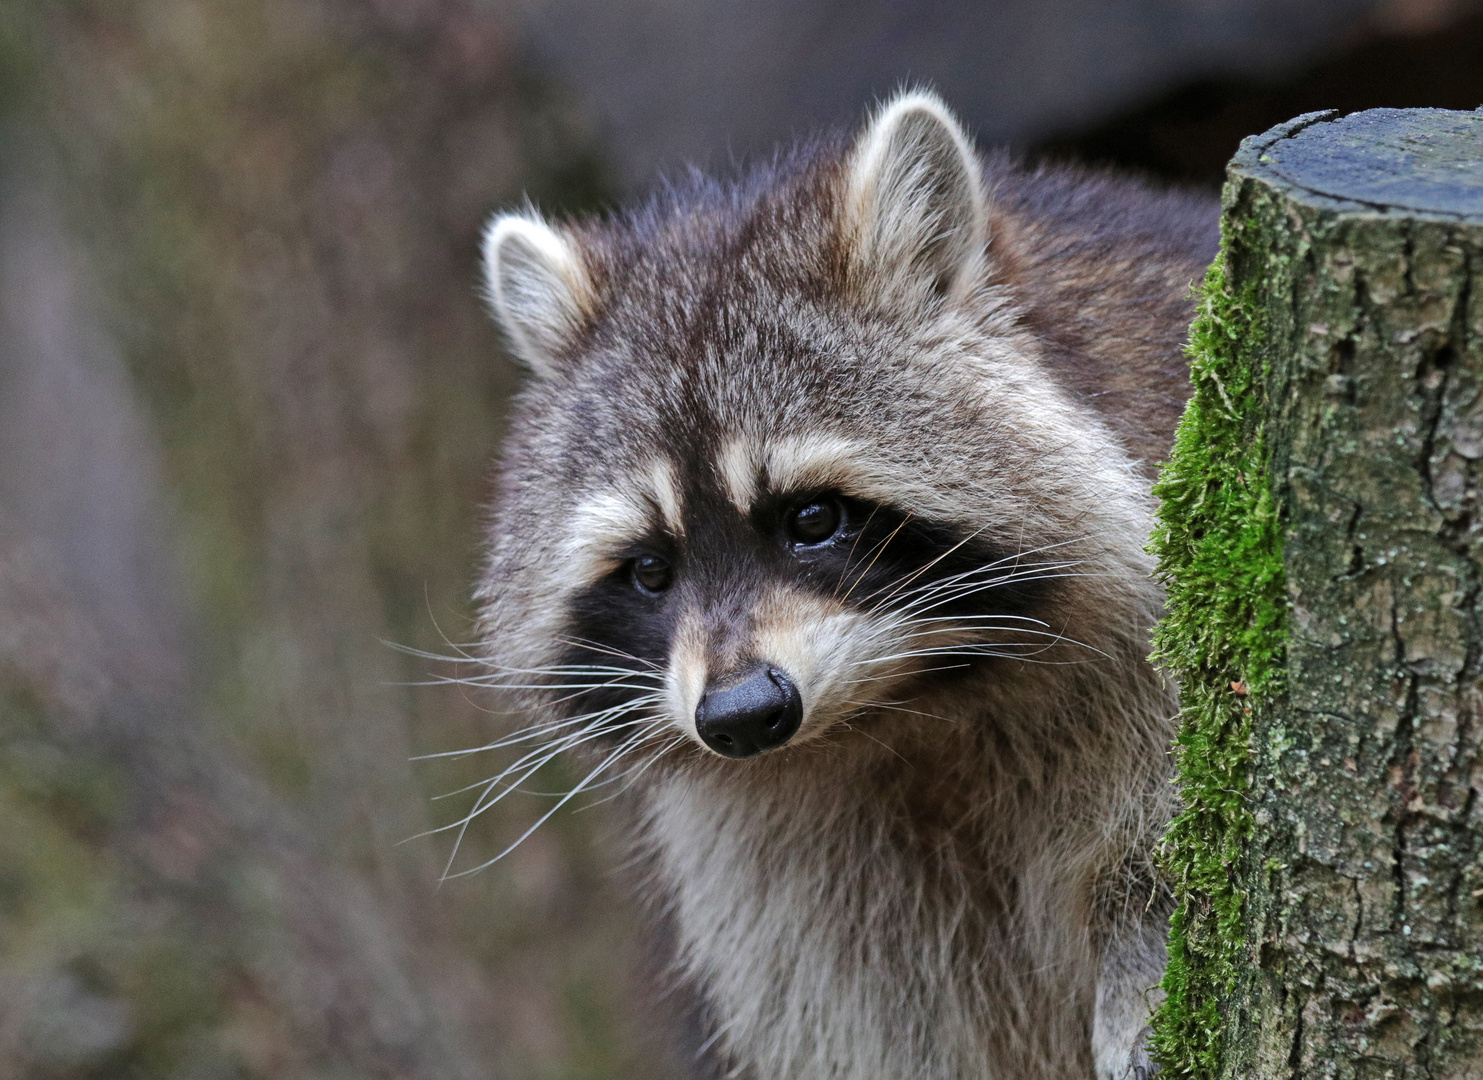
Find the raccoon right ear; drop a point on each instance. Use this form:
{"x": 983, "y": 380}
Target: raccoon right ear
{"x": 538, "y": 288}
{"x": 915, "y": 212}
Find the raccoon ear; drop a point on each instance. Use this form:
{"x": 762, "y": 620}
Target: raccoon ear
{"x": 538, "y": 288}
{"x": 915, "y": 213}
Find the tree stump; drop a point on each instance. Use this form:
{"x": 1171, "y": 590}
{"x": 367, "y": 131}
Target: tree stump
{"x": 1322, "y": 540}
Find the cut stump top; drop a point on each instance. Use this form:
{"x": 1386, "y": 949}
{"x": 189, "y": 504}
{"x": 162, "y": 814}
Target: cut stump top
{"x": 1409, "y": 162}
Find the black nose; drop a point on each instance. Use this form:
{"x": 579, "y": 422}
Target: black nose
{"x": 748, "y": 713}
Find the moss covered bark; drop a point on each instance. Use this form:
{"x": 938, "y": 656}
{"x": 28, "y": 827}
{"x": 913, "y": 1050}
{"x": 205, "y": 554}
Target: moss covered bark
{"x": 1320, "y": 538}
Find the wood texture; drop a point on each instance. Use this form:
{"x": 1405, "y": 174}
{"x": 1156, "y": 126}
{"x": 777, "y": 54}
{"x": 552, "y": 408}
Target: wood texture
{"x": 1354, "y": 248}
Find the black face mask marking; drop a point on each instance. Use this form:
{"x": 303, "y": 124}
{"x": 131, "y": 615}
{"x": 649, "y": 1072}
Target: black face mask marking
{"x": 877, "y": 557}
{"x": 862, "y": 554}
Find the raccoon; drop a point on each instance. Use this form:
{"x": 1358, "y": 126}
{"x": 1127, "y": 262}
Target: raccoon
{"x": 821, "y": 532}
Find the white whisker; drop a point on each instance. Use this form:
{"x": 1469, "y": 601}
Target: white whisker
{"x": 898, "y": 708}
{"x": 536, "y": 731}
{"x": 644, "y": 767}
{"x": 610, "y": 759}
{"x": 909, "y": 578}
{"x": 544, "y": 753}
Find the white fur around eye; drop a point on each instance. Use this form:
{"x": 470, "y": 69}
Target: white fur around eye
{"x": 537, "y": 287}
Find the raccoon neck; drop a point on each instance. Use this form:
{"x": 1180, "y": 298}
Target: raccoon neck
{"x": 887, "y": 906}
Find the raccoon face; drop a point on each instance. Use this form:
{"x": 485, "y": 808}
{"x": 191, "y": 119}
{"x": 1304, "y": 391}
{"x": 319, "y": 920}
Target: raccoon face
{"x": 789, "y": 600}
{"x": 788, "y": 458}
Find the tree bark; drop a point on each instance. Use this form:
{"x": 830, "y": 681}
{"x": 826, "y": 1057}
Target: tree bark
{"x": 1330, "y": 857}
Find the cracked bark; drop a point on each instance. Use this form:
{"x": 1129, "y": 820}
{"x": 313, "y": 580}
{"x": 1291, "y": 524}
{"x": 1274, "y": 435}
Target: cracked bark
{"x": 1362, "y": 239}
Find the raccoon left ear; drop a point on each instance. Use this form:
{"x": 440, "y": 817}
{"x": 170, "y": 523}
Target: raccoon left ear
{"x": 538, "y": 288}
{"x": 915, "y": 212}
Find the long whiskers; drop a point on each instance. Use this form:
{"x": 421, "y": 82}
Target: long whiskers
{"x": 598, "y": 647}
{"x": 637, "y": 724}
{"x": 484, "y": 802}
{"x": 627, "y": 746}
{"x": 531, "y": 763}
{"x": 914, "y": 628}
{"x": 894, "y": 588}
{"x": 879, "y": 549}
{"x": 907, "y": 579}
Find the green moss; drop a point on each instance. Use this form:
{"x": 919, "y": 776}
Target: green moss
{"x": 1219, "y": 546}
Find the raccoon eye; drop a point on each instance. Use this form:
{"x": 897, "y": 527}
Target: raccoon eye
{"x": 816, "y": 521}
{"x": 652, "y": 573}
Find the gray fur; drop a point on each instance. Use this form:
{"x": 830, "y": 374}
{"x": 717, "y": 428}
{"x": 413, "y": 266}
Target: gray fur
{"x": 945, "y": 874}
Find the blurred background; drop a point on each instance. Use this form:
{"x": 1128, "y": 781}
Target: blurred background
{"x": 248, "y": 409}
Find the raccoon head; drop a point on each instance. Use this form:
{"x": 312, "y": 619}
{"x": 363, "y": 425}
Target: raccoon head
{"x": 788, "y": 462}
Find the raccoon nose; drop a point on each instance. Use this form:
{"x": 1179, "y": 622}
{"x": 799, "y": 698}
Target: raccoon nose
{"x": 753, "y": 711}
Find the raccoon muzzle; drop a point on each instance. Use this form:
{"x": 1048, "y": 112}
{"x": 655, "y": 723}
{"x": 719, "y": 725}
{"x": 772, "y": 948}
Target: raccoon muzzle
{"x": 759, "y": 709}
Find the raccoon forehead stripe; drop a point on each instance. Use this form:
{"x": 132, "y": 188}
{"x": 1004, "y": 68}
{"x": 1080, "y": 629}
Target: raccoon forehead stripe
{"x": 664, "y": 489}
{"x": 814, "y": 461}
{"x": 738, "y": 467}
{"x": 746, "y": 465}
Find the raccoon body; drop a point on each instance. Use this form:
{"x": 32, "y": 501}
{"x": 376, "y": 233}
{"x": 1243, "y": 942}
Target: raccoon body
{"x": 821, "y": 525}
